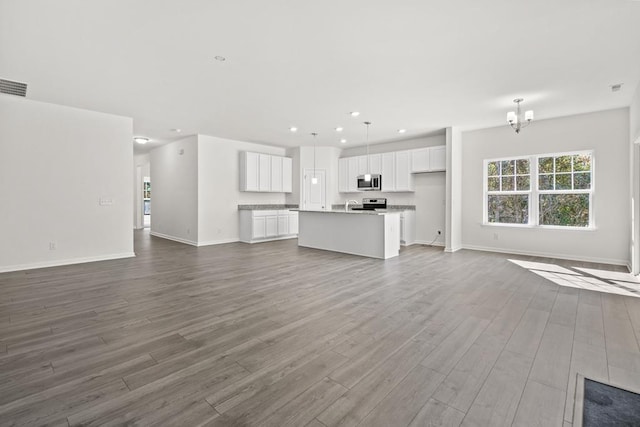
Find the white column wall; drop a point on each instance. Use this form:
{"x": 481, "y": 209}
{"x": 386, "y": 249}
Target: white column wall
{"x": 56, "y": 166}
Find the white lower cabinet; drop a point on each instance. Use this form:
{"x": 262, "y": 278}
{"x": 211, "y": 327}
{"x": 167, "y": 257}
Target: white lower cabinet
{"x": 407, "y": 227}
{"x": 265, "y": 225}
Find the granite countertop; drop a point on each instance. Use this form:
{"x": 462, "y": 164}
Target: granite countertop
{"x": 389, "y": 207}
{"x": 265, "y": 207}
{"x": 338, "y": 210}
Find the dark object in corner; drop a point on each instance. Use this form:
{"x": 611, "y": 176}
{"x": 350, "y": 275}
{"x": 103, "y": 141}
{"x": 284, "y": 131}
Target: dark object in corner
{"x": 605, "y": 405}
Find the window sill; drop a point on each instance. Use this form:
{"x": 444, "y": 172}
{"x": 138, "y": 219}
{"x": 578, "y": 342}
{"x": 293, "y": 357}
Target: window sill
{"x": 538, "y": 227}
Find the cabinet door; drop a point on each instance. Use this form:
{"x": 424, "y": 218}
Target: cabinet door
{"x": 352, "y": 177}
{"x": 388, "y": 172}
{"x": 283, "y": 225}
{"x": 293, "y": 223}
{"x": 271, "y": 225}
{"x": 258, "y": 227}
{"x": 376, "y": 163}
{"x": 265, "y": 172}
{"x": 287, "y": 174}
{"x": 403, "y": 230}
{"x": 362, "y": 165}
{"x": 437, "y": 158}
{"x": 404, "y": 181}
{"x": 420, "y": 160}
{"x": 343, "y": 175}
{"x": 276, "y": 173}
{"x": 251, "y": 175}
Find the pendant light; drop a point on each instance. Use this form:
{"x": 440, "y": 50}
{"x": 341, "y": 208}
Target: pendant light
{"x": 514, "y": 118}
{"x": 367, "y": 176}
{"x": 314, "y": 180}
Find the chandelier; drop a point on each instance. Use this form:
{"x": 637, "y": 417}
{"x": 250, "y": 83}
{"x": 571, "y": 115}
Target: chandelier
{"x": 515, "y": 117}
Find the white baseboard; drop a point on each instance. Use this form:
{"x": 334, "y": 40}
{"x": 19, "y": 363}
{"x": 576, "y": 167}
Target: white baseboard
{"x": 175, "y": 239}
{"x": 57, "y": 263}
{"x": 548, "y": 255}
{"x": 428, "y": 243}
{"x": 218, "y": 242}
{"x": 270, "y": 239}
{"x": 192, "y": 242}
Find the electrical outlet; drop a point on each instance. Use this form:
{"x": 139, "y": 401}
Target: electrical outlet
{"x": 495, "y": 236}
{"x": 52, "y": 246}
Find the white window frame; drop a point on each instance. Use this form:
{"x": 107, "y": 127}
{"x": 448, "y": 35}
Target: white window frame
{"x": 534, "y": 192}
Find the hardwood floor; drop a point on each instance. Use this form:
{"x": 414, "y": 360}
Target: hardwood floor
{"x": 275, "y": 335}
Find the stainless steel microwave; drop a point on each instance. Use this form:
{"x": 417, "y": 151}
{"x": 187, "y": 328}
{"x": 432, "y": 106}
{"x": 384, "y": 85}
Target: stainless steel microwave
{"x": 374, "y": 184}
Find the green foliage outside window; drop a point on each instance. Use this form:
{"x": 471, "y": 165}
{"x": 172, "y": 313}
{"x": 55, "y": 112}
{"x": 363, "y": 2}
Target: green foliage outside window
{"x": 564, "y": 185}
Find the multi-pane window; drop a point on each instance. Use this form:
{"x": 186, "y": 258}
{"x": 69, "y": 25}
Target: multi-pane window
{"x": 508, "y": 191}
{"x": 547, "y": 190}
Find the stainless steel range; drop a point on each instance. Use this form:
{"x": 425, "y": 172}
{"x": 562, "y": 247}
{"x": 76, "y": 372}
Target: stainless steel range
{"x": 372, "y": 204}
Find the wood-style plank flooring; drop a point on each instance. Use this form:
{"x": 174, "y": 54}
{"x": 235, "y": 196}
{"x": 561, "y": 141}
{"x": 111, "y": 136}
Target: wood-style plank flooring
{"x": 275, "y": 335}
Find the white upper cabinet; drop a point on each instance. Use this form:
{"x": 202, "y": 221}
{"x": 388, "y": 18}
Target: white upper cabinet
{"x": 438, "y": 158}
{"x": 343, "y": 175}
{"x": 276, "y": 173}
{"x": 352, "y": 175}
{"x": 265, "y": 173}
{"x": 249, "y": 171}
{"x": 375, "y": 160}
{"x": 429, "y": 159}
{"x": 287, "y": 174}
{"x": 420, "y": 160}
{"x": 388, "y": 171}
{"x": 362, "y": 165}
{"x": 397, "y": 168}
{"x": 404, "y": 179}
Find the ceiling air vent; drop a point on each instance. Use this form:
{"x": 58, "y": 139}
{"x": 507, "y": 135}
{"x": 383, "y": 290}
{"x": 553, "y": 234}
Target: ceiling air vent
{"x": 13, "y": 88}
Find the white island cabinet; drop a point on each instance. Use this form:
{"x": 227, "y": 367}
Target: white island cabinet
{"x": 366, "y": 233}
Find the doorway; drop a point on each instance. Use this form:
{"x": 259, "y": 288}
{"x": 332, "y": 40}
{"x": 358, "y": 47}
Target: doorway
{"x": 314, "y": 195}
{"x": 146, "y": 202}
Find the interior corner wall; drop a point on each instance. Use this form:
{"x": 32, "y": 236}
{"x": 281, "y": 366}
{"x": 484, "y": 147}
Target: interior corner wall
{"x": 219, "y": 188}
{"x": 174, "y": 170}
{"x": 604, "y": 132}
{"x": 56, "y": 164}
{"x": 453, "y": 210}
{"x": 634, "y": 160}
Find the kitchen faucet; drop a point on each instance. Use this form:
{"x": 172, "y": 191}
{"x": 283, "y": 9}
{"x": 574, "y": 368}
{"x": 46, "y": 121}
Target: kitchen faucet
{"x": 346, "y": 204}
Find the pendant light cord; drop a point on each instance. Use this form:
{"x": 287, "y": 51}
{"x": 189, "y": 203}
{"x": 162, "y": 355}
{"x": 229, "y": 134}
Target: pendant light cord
{"x": 314, "y": 153}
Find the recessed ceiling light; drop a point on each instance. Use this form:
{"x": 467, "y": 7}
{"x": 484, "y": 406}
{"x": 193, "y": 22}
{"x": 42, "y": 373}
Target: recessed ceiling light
{"x": 616, "y": 87}
{"x": 177, "y": 130}
{"x": 355, "y": 113}
{"x": 344, "y": 141}
{"x": 293, "y": 129}
{"x": 220, "y": 58}
{"x": 339, "y": 129}
{"x": 141, "y": 139}
{"x": 402, "y": 130}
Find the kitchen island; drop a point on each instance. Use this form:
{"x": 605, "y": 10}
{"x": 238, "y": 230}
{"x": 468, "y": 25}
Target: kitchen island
{"x": 374, "y": 234}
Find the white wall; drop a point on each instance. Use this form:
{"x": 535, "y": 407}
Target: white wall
{"x": 219, "y": 188}
{"x": 607, "y": 134}
{"x": 634, "y": 160}
{"x": 56, "y": 163}
{"x": 175, "y": 190}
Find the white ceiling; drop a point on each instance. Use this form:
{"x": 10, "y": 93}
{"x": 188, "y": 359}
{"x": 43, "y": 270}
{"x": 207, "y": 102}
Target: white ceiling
{"x": 415, "y": 64}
